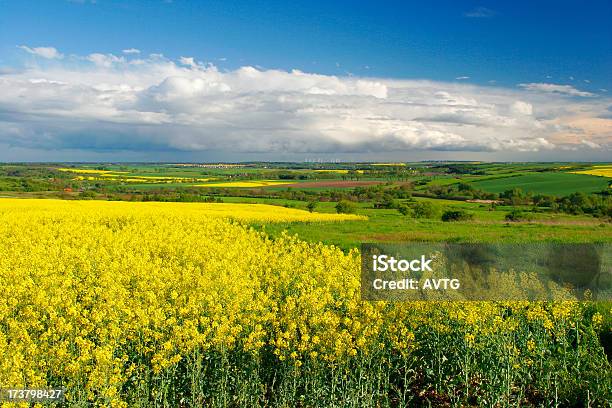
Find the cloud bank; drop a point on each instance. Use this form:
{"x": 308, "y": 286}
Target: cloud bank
{"x": 45, "y": 52}
{"x": 554, "y": 88}
{"x": 108, "y": 103}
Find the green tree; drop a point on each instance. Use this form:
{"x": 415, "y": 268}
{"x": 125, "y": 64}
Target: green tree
{"x": 519, "y": 215}
{"x": 404, "y": 209}
{"x": 311, "y": 206}
{"x": 346, "y": 207}
{"x": 456, "y": 215}
{"x": 516, "y": 196}
{"x": 425, "y": 209}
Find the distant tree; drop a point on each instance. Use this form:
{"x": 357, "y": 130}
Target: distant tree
{"x": 597, "y": 205}
{"x": 425, "y": 209}
{"x": 311, "y": 206}
{"x": 456, "y": 215}
{"x": 516, "y": 196}
{"x": 542, "y": 200}
{"x": 404, "y": 209}
{"x": 519, "y": 215}
{"x": 87, "y": 194}
{"x": 353, "y": 175}
{"x": 346, "y": 207}
{"x": 463, "y": 186}
{"x": 387, "y": 202}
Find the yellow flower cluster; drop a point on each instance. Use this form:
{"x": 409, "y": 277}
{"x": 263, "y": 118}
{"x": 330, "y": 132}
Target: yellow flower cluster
{"x": 96, "y": 294}
{"x": 124, "y": 176}
{"x": 602, "y": 171}
{"x": 141, "y": 179}
{"x": 90, "y": 171}
{"x": 242, "y": 212}
{"x": 339, "y": 171}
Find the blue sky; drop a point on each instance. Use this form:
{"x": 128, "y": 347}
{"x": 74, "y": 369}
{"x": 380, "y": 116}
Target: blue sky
{"x": 509, "y": 42}
{"x": 549, "y": 61}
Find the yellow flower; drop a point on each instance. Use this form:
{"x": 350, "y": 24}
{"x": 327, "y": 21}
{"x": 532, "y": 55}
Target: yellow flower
{"x": 597, "y": 320}
{"x": 106, "y": 294}
{"x": 531, "y": 345}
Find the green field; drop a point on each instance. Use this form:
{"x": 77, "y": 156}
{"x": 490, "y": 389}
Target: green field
{"x": 390, "y": 226}
{"x": 545, "y": 183}
{"x": 383, "y": 224}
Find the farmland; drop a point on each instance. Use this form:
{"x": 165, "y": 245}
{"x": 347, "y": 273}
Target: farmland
{"x": 545, "y": 183}
{"x": 240, "y": 212}
{"x": 246, "y": 184}
{"x": 246, "y": 291}
{"x": 377, "y": 190}
{"x": 602, "y": 171}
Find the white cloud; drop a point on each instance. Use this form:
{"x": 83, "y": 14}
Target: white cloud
{"x": 156, "y": 104}
{"x": 131, "y": 51}
{"x": 522, "y": 108}
{"x": 45, "y": 52}
{"x": 590, "y": 144}
{"x": 459, "y": 78}
{"x": 189, "y": 61}
{"x": 555, "y": 88}
{"x": 104, "y": 60}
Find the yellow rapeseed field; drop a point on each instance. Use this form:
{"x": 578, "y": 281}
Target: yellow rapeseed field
{"x": 90, "y": 171}
{"x": 339, "y": 171}
{"x": 603, "y": 171}
{"x": 171, "y": 304}
{"x": 126, "y": 177}
{"x": 242, "y": 212}
{"x": 142, "y": 179}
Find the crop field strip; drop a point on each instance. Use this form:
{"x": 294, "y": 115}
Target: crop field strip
{"x": 242, "y": 212}
{"x": 545, "y": 183}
